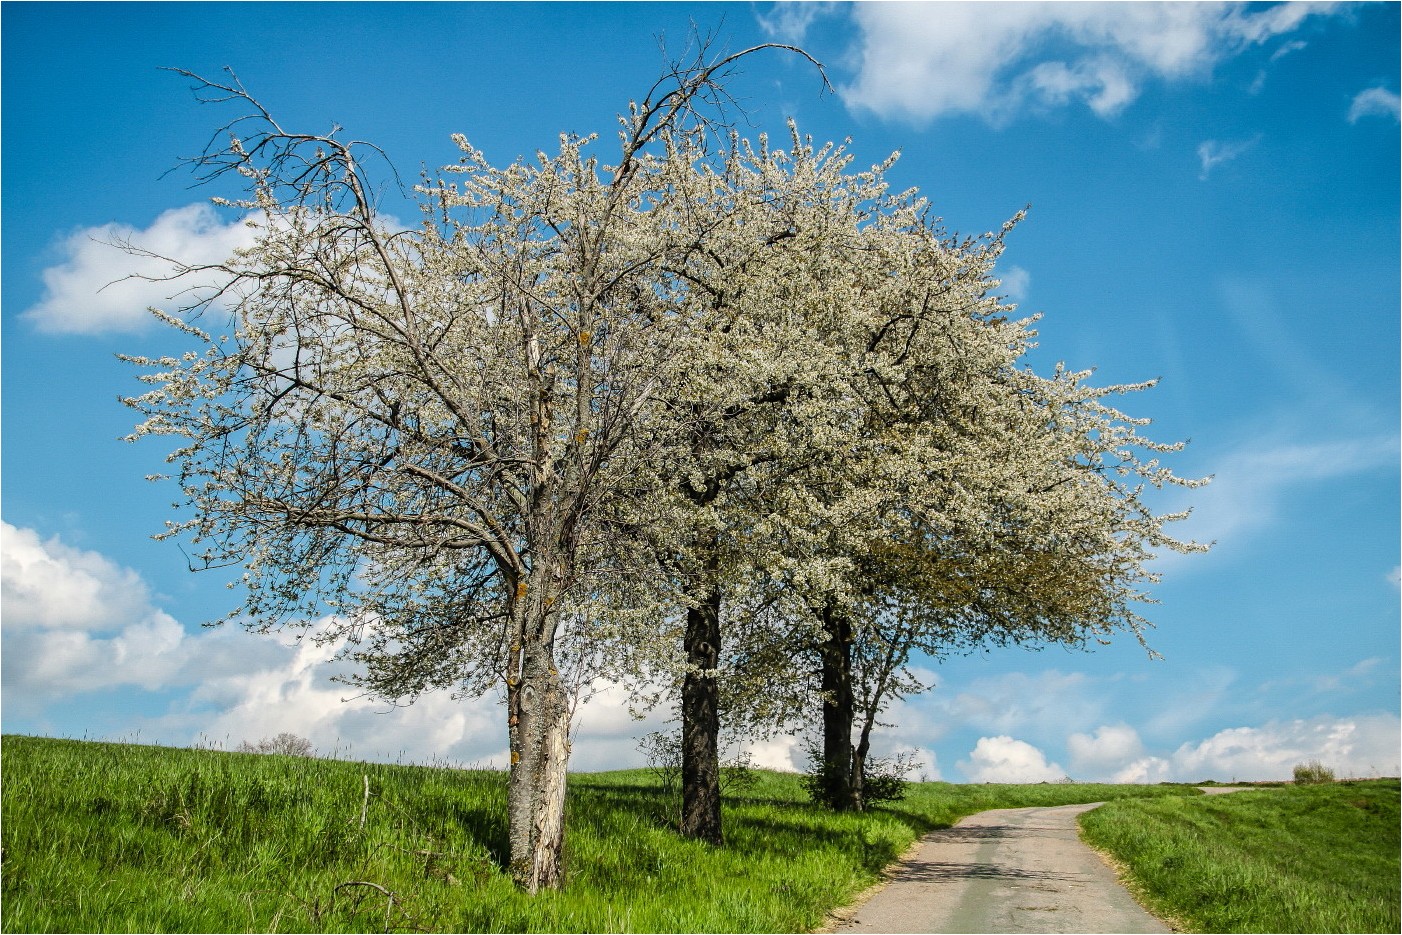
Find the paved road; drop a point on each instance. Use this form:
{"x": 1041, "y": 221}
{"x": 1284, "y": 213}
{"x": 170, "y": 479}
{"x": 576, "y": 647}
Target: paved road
{"x": 1007, "y": 870}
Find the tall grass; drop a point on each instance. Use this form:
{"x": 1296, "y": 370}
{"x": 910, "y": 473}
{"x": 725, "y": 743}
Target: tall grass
{"x": 1316, "y": 858}
{"x": 112, "y": 837}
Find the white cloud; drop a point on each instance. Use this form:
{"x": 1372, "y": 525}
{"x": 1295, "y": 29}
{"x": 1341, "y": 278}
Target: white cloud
{"x": 1363, "y": 745}
{"x": 48, "y": 585}
{"x": 1109, "y": 747}
{"x": 293, "y": 691}
{"x": 789, "y": 21}
{"x": 781, "y": 753}
{"x": 1287, "y": 48}
{"x": 1250, "y": 484}
{"x": 1375, "y": 102}
{"x": 1044, "y": 705}
{"x": 927, "y": 768}
{"x": 920, "y": 61}
{"x": 1102, "y": 83}
{"x": 1003, "y": 759}
{"x": 93, "y": 289}
{"x": 76, "y": 623}
{"x": 1015, "y": 282}
{"x": 1212, "y": 153}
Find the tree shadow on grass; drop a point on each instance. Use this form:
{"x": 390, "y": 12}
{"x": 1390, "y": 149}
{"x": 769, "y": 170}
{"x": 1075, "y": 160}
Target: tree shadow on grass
{"x": 486, "y": 826}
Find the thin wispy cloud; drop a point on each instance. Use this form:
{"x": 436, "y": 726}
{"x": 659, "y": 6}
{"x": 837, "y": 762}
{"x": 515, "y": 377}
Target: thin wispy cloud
{"x": 1014, "y": 282}
{"x": 1212, "y": 153}
{"x": 1375, "y": 102}
{"x": 921, "y": 61}
{"x": 1259, "y": 83}
{"x": 789, "y": 22}
{"x": 1252, "y": 484}
{"x": 1287, "y": 48}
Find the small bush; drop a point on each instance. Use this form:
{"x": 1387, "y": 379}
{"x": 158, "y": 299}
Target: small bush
{"x": 886, "y": 780}
{"x": 284, "y": 743}
{"x": 663, "y": 752}
{"x": 1313, "y": 773}
{"x": 883, "y": 780}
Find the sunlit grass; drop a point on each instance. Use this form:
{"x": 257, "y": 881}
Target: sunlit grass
{"x": 113, "y": 837}
{"x": 1321, "y": 858}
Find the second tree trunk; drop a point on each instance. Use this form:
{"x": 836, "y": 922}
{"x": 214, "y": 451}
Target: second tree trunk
{"x": 841, "y": 789}
{"x": 701, "y": 721}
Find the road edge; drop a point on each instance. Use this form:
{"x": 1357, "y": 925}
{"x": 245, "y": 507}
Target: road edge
{"x": 846, "y": 912}
{"x": 1123, "y": 876}
{"x": 1126, "y": 878}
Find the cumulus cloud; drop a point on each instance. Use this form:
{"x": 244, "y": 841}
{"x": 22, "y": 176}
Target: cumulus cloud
{"x": 1108, "y": 747}
{"x": 294, "y": 691}
{"x": 99, "y": 288}
{"x": 78, "y": 623}
{"x": 1212, "y": 153}
{"x": 1363, "y": 745}
{"x": 921, "y": 61}
{"x": 781, "y": 753}
{"x": 1375, "y": 102}
{"x": 49, "y": 585}
{"x": 75, "y": 621}
{"x": 927, "y": 768}
{"x": 1003, "y": 759}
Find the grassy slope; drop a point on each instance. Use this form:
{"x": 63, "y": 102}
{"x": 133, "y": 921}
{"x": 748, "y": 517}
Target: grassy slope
{"x": 111, "y": 837}
{"x": 1296, "y": 859}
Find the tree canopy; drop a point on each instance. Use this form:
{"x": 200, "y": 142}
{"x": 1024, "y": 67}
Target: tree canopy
{"x": 706, "y": 398}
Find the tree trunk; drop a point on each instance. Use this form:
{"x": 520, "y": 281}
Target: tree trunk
{"x": 539, "y": 730}
{"x": 859, "y": 766}
{"x": 839, "y": 709}
{"x": 701, "y": 721}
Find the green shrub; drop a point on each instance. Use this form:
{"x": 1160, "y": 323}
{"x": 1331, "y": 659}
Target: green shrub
{"x": 883, "y": 780}
{"x": 1313, "y": 773}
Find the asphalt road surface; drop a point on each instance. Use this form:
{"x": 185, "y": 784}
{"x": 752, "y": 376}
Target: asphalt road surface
{"x": 1007, "y": 870}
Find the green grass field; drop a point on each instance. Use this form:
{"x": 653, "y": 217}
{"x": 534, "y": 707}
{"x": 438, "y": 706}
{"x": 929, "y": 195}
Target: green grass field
{"x": 123, "y": 838}
{"x": 1319, "y": 858}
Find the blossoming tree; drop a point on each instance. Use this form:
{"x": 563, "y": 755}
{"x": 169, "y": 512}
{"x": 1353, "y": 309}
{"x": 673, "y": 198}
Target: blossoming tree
{"x": 445, "y": 435}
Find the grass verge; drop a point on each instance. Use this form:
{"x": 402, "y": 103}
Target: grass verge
{"x": 1318, "y": 858}
{"x": 121, "y": 838}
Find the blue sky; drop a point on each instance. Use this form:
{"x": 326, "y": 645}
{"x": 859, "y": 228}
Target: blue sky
{"x": 1214, "y": 201}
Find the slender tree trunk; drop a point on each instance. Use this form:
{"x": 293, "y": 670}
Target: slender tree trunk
{"x": 839, "y": 709}
{"x": 859, "y": 766}
{"x": 539, "y": 730}
{"x": 701, "y": 720}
